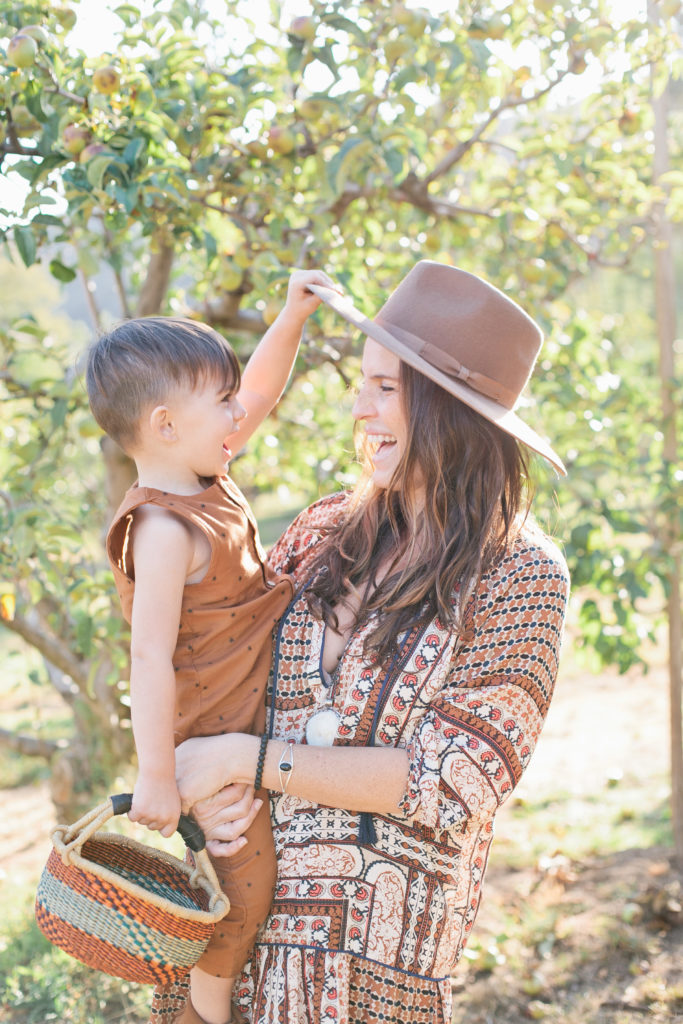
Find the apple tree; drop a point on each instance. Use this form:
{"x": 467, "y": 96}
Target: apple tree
{"x": 208, "y": 150}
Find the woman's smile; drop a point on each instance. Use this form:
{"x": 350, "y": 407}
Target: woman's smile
{"x": 378, "y": 405}
{"x": 380, "y": 444}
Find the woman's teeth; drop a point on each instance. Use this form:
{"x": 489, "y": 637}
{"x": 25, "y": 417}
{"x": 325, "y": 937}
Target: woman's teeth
{"x": 377, "y": 440}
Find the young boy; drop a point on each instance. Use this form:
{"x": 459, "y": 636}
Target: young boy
{"x": 191, "y": 575}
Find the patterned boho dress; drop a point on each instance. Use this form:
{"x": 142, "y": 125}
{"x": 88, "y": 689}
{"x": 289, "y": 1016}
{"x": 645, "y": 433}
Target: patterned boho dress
{"x": 371, "y": 912}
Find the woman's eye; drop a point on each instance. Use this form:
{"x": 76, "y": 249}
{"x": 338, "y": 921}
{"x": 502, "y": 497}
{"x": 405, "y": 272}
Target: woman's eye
{"x": 387, "y": 388}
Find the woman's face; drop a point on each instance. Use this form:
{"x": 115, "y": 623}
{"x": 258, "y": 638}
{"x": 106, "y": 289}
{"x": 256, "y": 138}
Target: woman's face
{"x": 380, "y": 409}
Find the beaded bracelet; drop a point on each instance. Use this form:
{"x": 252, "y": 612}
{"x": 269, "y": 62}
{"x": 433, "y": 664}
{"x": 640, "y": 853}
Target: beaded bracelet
{"x": 258, "y": 778}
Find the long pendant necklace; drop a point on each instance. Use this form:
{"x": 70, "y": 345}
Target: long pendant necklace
{"x": 322, "y": 727}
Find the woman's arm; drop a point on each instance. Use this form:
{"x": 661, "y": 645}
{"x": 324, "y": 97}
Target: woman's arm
{"x": 353, "y": 778}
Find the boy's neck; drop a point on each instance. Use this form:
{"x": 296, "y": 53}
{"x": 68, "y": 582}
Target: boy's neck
{"x": 173, "y": 479}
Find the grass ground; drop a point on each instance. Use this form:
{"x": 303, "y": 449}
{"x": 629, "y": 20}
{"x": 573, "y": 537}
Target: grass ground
{"x": 581, "y": 920}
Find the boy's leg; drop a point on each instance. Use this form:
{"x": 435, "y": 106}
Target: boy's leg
{"x": 172, "y": 1005}
{"x": 211, "y": 996}
{"x": 248, "y": 880}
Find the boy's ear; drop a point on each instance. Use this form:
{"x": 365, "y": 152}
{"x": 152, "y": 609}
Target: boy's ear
{"x": 161, "y": 424}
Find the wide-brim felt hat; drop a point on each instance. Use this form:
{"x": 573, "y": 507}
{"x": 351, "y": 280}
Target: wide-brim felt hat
{"x": 465, "y": 335}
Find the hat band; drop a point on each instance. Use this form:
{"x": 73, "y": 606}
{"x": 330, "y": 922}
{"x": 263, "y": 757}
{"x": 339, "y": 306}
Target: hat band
{"x": 453, "y": 368}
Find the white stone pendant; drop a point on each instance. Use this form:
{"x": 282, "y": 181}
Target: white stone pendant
{"x": 321, "y": 728}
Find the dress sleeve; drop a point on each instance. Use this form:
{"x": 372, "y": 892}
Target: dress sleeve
{"x": 476, "y": 738}
{"x": 292, "y": 552}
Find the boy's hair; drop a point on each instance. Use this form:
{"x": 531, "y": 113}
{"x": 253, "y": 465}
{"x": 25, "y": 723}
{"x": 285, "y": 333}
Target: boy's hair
{"x": 135, "y": 365}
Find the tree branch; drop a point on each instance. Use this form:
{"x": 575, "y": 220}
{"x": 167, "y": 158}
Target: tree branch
{"x": 456, "y": 154}
{"x": 90, "y": 301}
{"x": 226, "y": 313}
{"x": 34, "y": 630}
{"x": 413, "y": 191}
{"x": 29, "y": 745}
{"x": 58, "y": 90}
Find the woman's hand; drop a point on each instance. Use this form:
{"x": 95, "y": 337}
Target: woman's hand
{"x": 225, "y": 817}
{"x": 206, "y": 764}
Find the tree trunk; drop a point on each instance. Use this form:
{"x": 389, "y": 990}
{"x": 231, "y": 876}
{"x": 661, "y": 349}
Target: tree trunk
{"x": 153, "y": 291}
{"x": 665, "y": 304}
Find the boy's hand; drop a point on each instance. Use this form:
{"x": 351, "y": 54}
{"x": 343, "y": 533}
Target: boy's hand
{"x": 156, "y": 804}
{"x": 300, "y": 302}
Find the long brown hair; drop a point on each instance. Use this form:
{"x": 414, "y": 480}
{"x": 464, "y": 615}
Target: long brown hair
{"x": 471, "y": 477}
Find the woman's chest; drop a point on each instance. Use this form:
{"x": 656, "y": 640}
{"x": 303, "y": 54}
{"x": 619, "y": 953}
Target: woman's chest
{"x": 373, "y": 704}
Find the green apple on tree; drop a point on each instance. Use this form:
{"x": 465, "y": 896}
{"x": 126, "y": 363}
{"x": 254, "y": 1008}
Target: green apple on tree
{"x": 257, "y": 148}
{"x": 230, "y": 276}
{"x": 93, "y": 149}
{"x": 23, "y": 121}
{"x": 36, "y": 32}
{"x": 22, "y": 50}
{"x": 281, "y": 140}
{"x": 65, "y": 16}
{"x": 270, "y": 311}
{"x": 303, "y": 27}
{"x": 106, "y": 79}
{"x": 629, "y": 122}
{"x": 394, "y": 49}
{"x": 75, "y": 138}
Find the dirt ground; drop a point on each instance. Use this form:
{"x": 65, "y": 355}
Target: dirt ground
{"x": 596, "y": 940}
{"x": 604, "y": 936}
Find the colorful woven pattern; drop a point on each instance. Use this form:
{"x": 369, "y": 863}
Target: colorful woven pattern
{"x": 150, "y": 927}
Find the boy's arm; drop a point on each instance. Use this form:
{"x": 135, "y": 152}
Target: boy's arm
{"x": 162, "y": 554}
{"x": 267, "y": 372}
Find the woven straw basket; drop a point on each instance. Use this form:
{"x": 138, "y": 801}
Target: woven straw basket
{"x": 125, "y": 908}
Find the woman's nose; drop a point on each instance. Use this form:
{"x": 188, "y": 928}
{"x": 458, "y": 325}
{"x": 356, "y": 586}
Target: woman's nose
{"x": 361, "y": 407}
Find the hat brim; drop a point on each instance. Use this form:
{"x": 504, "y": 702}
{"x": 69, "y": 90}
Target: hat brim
{"x": 504, "y": 418}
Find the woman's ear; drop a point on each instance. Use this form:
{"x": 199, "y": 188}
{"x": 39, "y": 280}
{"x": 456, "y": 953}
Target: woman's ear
{"x": 161, "y": 425}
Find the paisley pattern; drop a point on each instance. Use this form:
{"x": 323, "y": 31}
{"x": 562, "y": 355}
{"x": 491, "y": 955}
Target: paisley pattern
{"x": 370, "y": 917}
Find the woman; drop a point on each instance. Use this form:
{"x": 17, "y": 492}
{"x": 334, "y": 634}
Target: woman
{"x": 412, "y": 670}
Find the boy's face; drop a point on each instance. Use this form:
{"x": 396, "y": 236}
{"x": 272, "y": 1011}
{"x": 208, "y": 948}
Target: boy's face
{"x": 204, "y": 417}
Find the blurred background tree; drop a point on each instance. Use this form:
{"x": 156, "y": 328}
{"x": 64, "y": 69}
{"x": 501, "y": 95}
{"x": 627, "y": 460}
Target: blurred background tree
{"x": 213, "y": 147}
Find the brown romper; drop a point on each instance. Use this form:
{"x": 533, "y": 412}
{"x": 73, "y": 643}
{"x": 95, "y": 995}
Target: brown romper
{"x": 222, "y": 660}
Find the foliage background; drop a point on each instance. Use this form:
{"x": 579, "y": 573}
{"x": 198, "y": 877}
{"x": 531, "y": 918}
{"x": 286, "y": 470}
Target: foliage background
{"x": 514, "y": 139}
{"x": 223, "y": 144}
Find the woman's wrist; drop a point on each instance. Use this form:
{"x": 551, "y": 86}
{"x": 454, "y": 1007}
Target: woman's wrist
{"x": 272, "y": 774}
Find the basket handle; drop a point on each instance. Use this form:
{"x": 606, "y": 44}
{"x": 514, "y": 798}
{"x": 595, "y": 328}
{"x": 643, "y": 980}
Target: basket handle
{"x": 192, "y": 835}
{"x": 73, "y": 836}
{"x": 70, "y": 839}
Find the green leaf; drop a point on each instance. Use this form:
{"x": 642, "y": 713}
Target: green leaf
{"x": 128, "y": 14}
{"x": 133, "y": 150}
{"x": 61, "y": 271}
{"x": 326, "y": 56}
{"x": 411, "y": 73}
{"x": 97, "y": 168}
{"x": 58, "y": 413}
{"x": 25, "y": 241}
{"x": 48, "y": 219}
{"x": 343, "y": 162}
{"x": 347, "y": 25}
{"x": 210, "y": 245}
